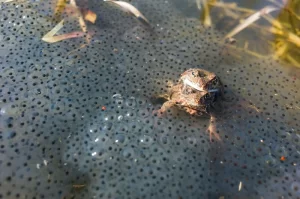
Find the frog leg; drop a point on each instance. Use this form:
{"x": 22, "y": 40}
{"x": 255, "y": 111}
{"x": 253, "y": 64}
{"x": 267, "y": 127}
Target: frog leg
{"x": 212, "y": 129}
{"x": 191, "y": 111}
{"x": 164, "y": 108}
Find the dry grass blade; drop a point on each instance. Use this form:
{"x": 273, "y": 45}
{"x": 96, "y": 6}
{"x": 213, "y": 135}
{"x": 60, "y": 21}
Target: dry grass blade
{"x": 207, "y": 19}
{"x": 198, "y": 2}
{"x": 52, "y": 32}
{"x": 292, "y": 13}
{"x": 292, "y": 60}
{"x": 285, "y": 6}
{"x": 78, "y": 185}
{"x": 254, "y": 17}
{"x": 280, "y": 50}
{"x": 130, "y": 9}
{"x": 50, "y": 38}
{"x": 291, "y": 37}
{"x": 63, "y": 37}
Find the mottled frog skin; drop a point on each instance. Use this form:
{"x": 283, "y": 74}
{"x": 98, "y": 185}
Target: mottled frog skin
{"x": 196, "y": 93}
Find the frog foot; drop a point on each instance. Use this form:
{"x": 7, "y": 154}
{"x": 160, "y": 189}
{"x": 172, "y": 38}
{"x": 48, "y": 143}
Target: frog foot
{"x": 191, "y": 111}
{"x": 163, "y": 109}
{"x": 212, "y": 129}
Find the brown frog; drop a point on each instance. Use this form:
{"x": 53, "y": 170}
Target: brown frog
{"x": 197, "y": 92}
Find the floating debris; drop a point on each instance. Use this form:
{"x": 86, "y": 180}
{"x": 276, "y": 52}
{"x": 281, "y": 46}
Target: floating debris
{"x": 90, "y": 16}
{"x": 240, "y": 186}
{"x": 50, "y": 38}
{"x": 130, "y": 9}
{"x": 282, "y": 158}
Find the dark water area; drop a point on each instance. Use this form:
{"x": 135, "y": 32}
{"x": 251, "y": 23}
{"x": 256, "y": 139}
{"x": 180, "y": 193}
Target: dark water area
{"x": 78, "y": 122}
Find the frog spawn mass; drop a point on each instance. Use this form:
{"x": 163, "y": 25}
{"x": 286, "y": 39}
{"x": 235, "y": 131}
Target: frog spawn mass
{"x": 80, "y": 125}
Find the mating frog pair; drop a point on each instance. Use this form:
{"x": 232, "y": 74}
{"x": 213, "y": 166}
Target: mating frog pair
{"x": 197, "y": 92}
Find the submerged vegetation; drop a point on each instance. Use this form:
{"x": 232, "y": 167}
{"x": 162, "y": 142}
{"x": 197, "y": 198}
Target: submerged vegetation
{"x": 270, "y": 31}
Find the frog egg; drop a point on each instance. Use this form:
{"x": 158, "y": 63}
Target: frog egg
{"x": 287, "y": 178}
{"x": 106, "y": 126}
{"x": 39, "y": 103}
{"x": 178, "y": 141}
{"x": 120, "y": 139}
{"x": 131, "y": 102}
{"x": 58, "y": 107}
{"x": 130, "y": 115}
{"x": 128, "y": 153}
{"x": 165, "y": 140}
{"x": 143, "y": 154}
{"x": 122, "y": 128}
{"x": 109, "y": 117}
{"x": 280, "y": 151}
{"x": 155, "y": 161}
{"x": 298, "y": 172}
{"x": 295, "y": 188}
{"x": 98, "y": 153}
{"x": 135, "y": 126}
{"x": 147, "y": 129}
{"x": 118, "y": 99}
{"x": 9, "y": 135}
{"x": 149, "y": 121}
{"x": 145, "y": 140}
{"x": 179, "y": 127}
{"x": 10, "y": 109}
{"x": 191, "y": 142}
{"x": 144, "y": 113}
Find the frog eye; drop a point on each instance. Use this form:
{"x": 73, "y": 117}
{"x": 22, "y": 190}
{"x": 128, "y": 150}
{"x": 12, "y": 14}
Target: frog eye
{"x": 201, "y": 74}
{"x": 193, "y": 73}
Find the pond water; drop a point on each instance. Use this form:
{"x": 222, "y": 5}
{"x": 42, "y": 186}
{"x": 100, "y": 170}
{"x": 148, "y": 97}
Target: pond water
{"x": 77, "y": 121}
